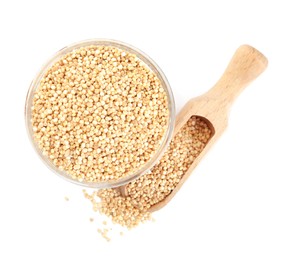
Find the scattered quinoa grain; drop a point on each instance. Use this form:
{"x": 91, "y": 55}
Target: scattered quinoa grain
{"x": 66, "y": 198}
{"x": 104, "y": 233}
{"x": 153, "y": 187}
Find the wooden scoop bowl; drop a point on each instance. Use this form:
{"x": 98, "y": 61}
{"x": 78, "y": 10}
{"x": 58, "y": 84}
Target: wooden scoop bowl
{"x": 245, "y": 66}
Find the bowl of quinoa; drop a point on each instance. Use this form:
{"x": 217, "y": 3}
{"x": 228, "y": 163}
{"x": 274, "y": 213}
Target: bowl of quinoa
{"x": 100, "y": 113}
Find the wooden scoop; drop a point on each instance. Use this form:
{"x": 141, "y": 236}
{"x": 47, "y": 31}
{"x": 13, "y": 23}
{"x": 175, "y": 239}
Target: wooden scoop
{"x": 245, "y": 66}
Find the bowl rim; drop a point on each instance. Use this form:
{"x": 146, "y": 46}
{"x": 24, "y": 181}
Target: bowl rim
{"x": 165, "y": 139}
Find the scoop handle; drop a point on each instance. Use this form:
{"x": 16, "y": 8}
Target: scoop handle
{"x": 246, "y": 65}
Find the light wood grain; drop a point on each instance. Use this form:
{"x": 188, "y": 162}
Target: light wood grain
{"x": 246, "y": 65}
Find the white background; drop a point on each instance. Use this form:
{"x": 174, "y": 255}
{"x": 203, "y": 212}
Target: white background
{"x": 240, "y": 201}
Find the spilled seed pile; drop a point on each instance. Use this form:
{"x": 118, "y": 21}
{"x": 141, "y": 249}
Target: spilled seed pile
{"x": 99, "y": 113}
{"x": 153, "y": 187}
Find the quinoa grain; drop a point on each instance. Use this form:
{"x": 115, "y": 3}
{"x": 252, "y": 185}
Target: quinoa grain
{"x": 104, "y": 233}
{"x": 99, "y": 114}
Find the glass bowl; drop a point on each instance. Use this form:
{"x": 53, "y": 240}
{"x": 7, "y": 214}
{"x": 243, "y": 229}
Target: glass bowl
{"x": 151, "y": 64}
